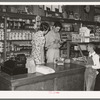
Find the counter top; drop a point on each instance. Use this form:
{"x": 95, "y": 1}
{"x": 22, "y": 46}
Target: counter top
{"x": 61, "y": 70}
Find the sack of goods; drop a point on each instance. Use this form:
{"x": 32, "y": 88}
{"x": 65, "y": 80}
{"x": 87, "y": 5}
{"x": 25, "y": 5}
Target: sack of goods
{"x": 30, "y": 65}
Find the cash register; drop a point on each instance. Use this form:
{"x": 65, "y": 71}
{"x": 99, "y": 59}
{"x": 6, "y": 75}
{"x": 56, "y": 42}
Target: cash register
{"x": 15, "y": 66}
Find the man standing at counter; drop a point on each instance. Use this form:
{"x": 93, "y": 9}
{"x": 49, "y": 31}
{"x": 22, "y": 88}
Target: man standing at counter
{"x": 53, "y": 43}
{"x": 91, "y": 67}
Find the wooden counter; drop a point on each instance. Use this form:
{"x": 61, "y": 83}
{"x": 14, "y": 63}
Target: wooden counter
{"x": 69, "y": 77}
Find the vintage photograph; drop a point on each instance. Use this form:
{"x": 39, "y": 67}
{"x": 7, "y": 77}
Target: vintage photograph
{"x": 49, "y": 48}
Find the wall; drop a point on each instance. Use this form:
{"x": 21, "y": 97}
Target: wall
{"x": 87, "y": 16}
{"x": 31, "y": 9}
{"x": 80, "y": 10}
{"x": 36, "y": 10}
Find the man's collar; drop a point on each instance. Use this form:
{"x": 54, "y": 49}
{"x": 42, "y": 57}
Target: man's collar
{"x": 91, "y": 54}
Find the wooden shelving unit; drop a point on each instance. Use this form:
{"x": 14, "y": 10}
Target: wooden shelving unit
{"x": 5, "y": 15}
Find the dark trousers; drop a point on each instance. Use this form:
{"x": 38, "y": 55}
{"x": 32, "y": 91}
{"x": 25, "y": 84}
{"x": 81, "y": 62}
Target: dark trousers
{"x": 97, "y": 82}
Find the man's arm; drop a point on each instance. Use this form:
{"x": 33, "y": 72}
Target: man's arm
{"x": 96, "y": 62}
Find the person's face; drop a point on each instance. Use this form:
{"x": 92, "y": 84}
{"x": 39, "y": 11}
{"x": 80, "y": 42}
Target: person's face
{"x": 38, "y": 23}
{"x": 56, "y": 29}
{"x": 89, "y": 48}
{"x": 45, "y": 32}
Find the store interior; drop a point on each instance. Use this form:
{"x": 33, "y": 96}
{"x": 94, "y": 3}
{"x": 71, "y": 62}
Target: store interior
{"x": 80, "y": 26}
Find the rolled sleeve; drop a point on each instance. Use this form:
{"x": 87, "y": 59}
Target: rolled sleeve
{"x": 96, "y": 62}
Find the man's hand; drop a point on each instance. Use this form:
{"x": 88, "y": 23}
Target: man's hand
{"x": 88, "y": 66}
{"x": 56, "y": 42}
{"x": 62, "y": 41}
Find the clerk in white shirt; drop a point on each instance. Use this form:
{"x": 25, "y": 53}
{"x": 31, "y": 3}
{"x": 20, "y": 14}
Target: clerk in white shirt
{"x": 53, "y": 43}
{"x": 91, "y": 67}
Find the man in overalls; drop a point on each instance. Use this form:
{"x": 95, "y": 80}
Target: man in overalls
{"x": 91, "y": 67}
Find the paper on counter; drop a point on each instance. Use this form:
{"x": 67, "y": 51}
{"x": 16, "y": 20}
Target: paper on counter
{"x": 44, "y": 69}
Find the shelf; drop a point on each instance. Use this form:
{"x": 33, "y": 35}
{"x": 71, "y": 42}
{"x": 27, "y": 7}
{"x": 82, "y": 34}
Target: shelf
{"x": 18, "y": 51}
{"x": 65, "y": 48}
{"x": 1, "y": 20}
{"x": 97, "y": 13}
{"x": 51, "y": 19}
{"x": 1, "y": 28}
{"x": 81, "y": 42}
{"x": 17, "y": 15}
{"x": 14, "y": 40}
{"x": 79, "y": 51}
{"x": 69, "y": 20}
{"x": 5, "y": 15}
{"x": 53, "y": 12}
{"x": 64, "y": 36}
{"x": 86, "y": 42}
{"x": 17, "y": 40}
{"x": 1, "y": 40}
{"x": 69, "y": 31}
{"x": 97, "y": 8}
{"x": 24, "y": 45}
{"x": 21, "y": 29}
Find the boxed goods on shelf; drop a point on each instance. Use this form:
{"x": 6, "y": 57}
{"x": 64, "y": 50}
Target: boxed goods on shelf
{"x": 22, "y": 22}
{"x": 83, "y": 36}
{"x": 19, "y": 35}
{"x": 83, "y": 47}
{"x": 67, "y": 27}
{"x": 76, "y": 38}
{"x": 16, "y": 35}
{"x": 84, "y": 31}
{"x": 95, "y": 39}
{"x": 1, "y": 34}
{"x": 1, "y": 46}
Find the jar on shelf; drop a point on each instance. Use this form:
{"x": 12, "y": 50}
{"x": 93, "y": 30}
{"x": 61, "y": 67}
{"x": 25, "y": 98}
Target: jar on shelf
{"x": 64, "y": 14}
{"x": 71, "y": 15}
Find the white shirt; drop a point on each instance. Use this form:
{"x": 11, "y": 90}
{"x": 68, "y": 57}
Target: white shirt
{"x": 95, "y": 58}
{"x": 52, "y": 37}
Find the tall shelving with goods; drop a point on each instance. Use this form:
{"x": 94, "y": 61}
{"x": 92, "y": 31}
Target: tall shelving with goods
{"x": 17, "y": 33}
{"x": 17, "y": 30}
